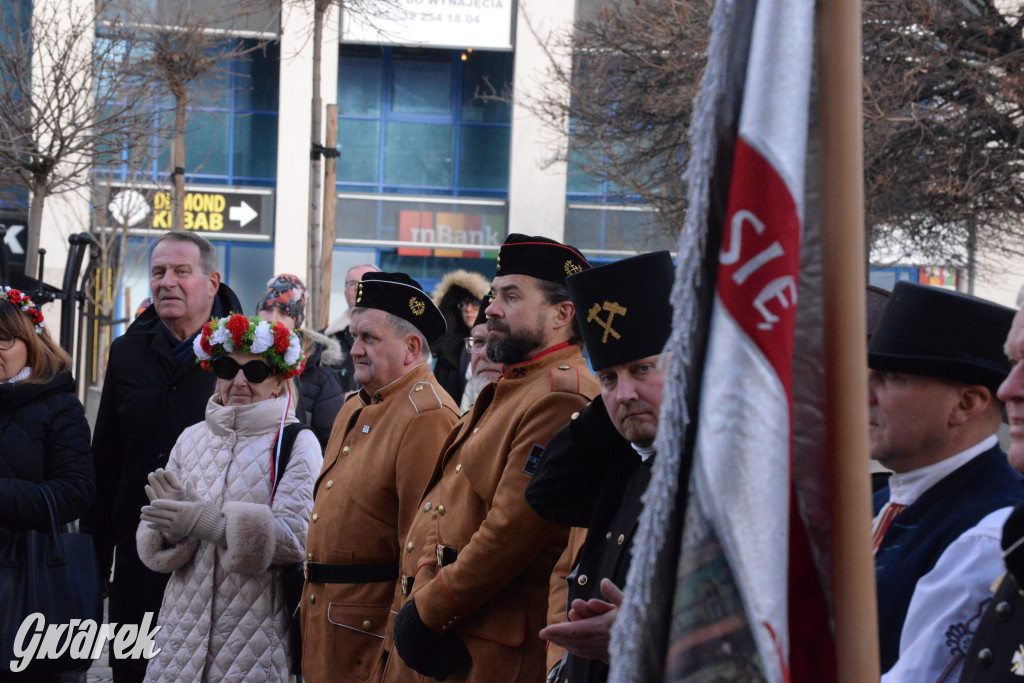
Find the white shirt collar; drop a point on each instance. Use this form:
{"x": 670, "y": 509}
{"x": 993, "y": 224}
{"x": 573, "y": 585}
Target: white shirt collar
{"x": 646, "y": 452}
{"x": 907, "y": 487}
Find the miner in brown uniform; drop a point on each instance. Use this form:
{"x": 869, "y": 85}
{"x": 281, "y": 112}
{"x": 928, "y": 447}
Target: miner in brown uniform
{"x": 477, "y": 557}
{"x": 378, "y": 461}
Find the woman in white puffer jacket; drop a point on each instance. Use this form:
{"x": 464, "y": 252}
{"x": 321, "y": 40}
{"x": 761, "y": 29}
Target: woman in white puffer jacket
{"x": 216, "y": 521}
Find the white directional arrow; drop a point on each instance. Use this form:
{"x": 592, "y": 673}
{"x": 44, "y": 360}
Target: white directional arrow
{"x": 243, "y": 214}
{"x": 10, "y": 239}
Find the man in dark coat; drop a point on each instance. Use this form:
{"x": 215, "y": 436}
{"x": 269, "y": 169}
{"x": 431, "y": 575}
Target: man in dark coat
{"x": 595, "y": 470}
{"x": 936, "y": 361}
{"x": 153, "y": 390}
{"x": 997, "y": 648}
{"x": 339, "y": 328}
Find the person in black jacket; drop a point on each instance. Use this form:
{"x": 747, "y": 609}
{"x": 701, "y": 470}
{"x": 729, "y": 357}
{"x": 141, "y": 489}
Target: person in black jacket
{"x": 595, "y": 470}
{"x": 340, "y": 331}
{"x": 44, "y": 437}
{"x": 320, "y": 393}
{"x": 153, "y": 390}
{"x": 458, "y": 296}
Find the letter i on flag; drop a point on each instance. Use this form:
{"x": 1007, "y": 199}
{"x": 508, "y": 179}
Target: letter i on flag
{"x": 739, "y": 504}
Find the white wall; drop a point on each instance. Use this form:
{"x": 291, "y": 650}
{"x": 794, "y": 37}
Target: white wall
{"x": 1000, "y": 279}
{"x": 536, "y": 194}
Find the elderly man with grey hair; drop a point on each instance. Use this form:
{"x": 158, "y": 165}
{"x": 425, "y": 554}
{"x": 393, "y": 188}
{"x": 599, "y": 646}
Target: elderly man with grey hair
{"x": 152, "y": 391}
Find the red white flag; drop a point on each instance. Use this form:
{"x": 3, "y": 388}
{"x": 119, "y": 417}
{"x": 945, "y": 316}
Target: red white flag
{"x": 749, "y": 597}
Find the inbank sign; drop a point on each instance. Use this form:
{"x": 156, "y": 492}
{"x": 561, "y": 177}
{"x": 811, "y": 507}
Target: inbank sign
{"x": 471, "y": 229}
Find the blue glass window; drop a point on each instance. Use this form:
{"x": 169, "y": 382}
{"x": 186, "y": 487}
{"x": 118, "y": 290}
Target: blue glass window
{"x": 417, "y": 121}
{"x": 231, "y": 130}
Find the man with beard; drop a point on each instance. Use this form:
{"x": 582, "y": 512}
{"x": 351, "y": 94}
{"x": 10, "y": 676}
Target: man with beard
{"x": 478, "y": 558}
{"x": 595, "y": 470}
{"x": 482, "y": 371}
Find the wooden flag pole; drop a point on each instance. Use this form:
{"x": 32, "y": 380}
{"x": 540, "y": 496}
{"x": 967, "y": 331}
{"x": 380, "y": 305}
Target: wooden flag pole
{"x": 843, "y": 264}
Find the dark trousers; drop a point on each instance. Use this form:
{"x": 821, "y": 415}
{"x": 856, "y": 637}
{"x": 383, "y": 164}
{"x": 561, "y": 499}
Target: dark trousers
{"x": 134, "y": 591}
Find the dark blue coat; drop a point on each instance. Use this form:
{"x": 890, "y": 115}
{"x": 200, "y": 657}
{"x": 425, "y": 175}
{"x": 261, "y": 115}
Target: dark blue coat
{"x": 44, "y": 437}
{"x": 919, "y": 535}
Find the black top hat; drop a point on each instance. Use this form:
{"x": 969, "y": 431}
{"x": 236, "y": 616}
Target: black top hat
{"x": 481, "y": 315}
{"x": 940, "y": 333}
{"x": 539, "y": 257}
{"x": 623, "y": 308}
{"x": 400, "y": 295}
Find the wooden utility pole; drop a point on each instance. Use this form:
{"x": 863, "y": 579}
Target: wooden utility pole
{"x": 327, "y": 243}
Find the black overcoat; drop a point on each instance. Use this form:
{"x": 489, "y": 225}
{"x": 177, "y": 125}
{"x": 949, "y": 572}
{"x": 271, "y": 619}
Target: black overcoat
{"x": 590, "y": 476}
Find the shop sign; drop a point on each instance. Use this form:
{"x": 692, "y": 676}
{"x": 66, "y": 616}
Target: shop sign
{"x": 470, "y": 229}
{"x": 16, "y": 237}
{"x": 478, "y": 24}
{"x": 207, "y": 210}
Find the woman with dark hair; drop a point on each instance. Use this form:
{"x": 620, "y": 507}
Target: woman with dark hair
{"x": 44, "y": 437}
{"x": 226, "y": 519}
{"x": 458, "y": 296}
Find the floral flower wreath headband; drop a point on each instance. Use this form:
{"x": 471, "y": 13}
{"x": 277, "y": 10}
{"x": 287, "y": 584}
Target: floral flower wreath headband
{"x": 273, "y": 342}
{"x": 21, "y": 300}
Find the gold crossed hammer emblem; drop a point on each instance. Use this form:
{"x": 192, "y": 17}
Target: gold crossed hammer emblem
{"x": 613, "y": 309}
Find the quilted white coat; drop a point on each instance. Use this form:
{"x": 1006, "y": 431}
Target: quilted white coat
{"x": 223, "y": 616}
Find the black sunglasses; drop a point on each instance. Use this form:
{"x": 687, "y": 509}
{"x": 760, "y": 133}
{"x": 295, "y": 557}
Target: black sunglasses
{"x": 255, "y": 371}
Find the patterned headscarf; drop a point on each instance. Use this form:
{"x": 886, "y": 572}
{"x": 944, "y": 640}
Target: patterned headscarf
{"x": 286, "y": 293}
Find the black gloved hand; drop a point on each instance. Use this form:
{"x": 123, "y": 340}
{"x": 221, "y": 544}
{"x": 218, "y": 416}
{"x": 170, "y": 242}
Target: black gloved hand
{"x": 432, "y": 654}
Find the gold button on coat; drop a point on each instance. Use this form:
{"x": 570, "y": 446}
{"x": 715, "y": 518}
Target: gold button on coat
{"x": 458, "y": 468}
{"x": 575, "y": 415}
{"x": 345, "y": 450}
{"x": 440, "y": 509}
{"x": 409, "y": 547}
{"x": 426, "y": 508}
{"x": 582, "y": 579}
{"x": 621, "y": 539}
{"x": 330, "y": 483}
{"x": 312, "y": 599}
{"x": 315, "y": 516}
{"x": 367, "y": 624}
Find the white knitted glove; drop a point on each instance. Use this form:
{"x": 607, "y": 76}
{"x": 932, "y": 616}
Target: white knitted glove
{"x": 193, "y": 517}
{"x": 165, "y": 484}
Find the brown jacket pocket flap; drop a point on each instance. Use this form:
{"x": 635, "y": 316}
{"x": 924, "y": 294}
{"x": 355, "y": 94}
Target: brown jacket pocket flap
{"x": 368, "y": 619}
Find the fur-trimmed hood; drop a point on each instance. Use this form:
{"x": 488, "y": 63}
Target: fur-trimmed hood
{"x": 331, "y": 352}
{"x": 339, "y": 324}
{"x": 446, "y": 294}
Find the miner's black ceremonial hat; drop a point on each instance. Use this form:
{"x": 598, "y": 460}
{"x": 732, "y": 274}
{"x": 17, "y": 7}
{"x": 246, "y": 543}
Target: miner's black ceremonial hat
{"x": 400, "y": 295}
{"x": 539, "y": 257}
{"x": 941, "y": 333}
{"x": 481, "y": 315}
{"x": 623, "y": 308}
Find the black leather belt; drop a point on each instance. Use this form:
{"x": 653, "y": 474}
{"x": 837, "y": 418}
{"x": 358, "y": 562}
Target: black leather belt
{"x": 445, "y": 555}
{"x": 350, "y": 573}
